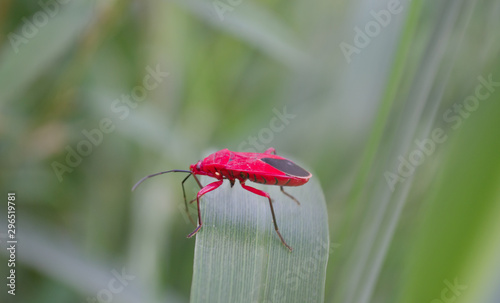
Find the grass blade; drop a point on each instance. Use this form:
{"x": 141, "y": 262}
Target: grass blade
{"x": 239, "y": 257}
{"x": 459, "y": 240}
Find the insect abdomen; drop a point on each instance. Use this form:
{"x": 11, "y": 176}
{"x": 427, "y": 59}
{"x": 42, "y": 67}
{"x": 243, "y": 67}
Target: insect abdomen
{"x": 274, "y": 180}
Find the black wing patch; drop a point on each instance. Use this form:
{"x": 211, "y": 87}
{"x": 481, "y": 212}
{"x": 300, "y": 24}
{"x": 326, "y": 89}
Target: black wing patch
{"x": 286, "y": 166}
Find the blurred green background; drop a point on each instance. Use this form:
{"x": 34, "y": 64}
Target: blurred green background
{"x": 394, "y": 105}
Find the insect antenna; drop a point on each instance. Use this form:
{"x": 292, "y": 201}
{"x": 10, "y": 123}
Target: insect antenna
{"x": 160, "y": 173}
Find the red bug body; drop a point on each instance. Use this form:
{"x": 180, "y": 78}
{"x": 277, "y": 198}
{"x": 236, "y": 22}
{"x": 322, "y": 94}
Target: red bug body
{"x": 265, "y": 168}
{"x": 226, "y": 164}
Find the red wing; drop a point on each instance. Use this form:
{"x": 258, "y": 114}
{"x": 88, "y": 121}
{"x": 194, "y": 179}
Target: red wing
{"x": 286, "y": 166}
{"x": 264, "y": 164}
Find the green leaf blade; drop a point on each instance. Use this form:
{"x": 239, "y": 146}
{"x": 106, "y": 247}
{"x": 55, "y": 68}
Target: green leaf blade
{"x": 240, "y": 258}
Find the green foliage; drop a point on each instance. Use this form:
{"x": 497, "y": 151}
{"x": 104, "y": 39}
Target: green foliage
{"x": 96, "y": 94}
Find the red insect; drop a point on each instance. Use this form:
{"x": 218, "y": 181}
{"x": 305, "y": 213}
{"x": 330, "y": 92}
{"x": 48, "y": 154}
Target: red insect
{"x": 265, "y": 168}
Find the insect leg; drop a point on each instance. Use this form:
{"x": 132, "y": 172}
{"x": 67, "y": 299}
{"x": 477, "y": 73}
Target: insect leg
{"x": 185, "y": 200}
{"x": 197, "y": 181}
{"x": 264, "y": 194}
{"x": 203, "y": 191}
{"x": 272, "y": 150}
{"x": 292, "y": 197}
